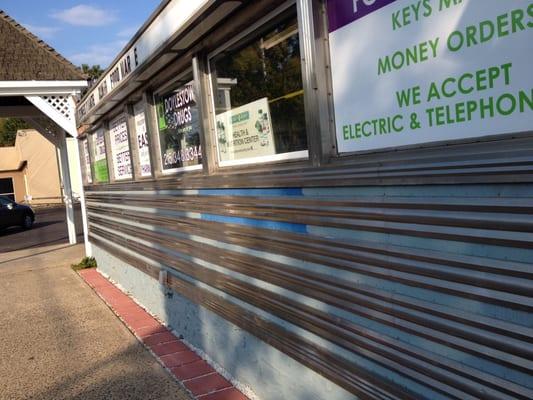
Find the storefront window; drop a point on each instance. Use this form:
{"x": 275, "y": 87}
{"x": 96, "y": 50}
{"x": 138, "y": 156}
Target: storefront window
{"x": 142, "y": 140}
{"x": 259, "y": 103}
{"x": 178, "y": 121}
{"x": 120, "y": 148}
{"x": 99, "y": 159}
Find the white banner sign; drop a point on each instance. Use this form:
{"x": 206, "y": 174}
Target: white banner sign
{"x": 407, "y": 72}
{"x": 142, "y": 139}
{"x": 245, "y": 132}
{"x": 120, "y": 149}
{"x": 87, "y": 162}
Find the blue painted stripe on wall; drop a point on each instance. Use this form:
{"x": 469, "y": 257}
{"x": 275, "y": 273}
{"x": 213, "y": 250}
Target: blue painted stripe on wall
{"x": 279, "y": 192}
{"x": 258, "y": 223}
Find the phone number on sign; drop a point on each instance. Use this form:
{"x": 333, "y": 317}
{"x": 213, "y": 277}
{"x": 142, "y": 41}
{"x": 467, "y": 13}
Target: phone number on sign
{"x": 182, "y": 156}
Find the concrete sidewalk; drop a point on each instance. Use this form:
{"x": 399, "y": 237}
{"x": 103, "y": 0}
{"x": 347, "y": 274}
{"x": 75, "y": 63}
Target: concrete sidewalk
{"x": 58, "y": 340}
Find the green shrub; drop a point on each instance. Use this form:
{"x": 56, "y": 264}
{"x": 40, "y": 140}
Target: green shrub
{"x": 86, "y": 262}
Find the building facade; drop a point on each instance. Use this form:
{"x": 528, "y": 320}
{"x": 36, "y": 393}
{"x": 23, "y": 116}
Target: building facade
{"x": 331, "y": 199}
{"x": 29, "y": 170}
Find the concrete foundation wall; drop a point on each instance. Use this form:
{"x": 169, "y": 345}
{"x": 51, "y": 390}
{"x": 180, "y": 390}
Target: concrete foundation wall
{"x": 271, "y": 374}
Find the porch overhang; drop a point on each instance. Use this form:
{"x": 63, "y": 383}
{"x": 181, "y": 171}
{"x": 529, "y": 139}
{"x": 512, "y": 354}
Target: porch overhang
{"x": 41, "y": 88}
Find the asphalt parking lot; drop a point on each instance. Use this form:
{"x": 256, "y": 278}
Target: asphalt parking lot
{"x": 50, "y": 228}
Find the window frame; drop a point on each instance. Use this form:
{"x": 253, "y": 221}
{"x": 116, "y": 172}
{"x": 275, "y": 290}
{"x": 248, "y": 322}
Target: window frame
{"x": 7, "y": 194}
{"x": 154, "y": 139}
{"x": 134, "y": 144}
{"x": 122, "y": 112}
{"x": 300, "y": 155}
{"x": 91, "y": 139}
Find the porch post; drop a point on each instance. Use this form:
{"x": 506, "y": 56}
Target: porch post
{"x": 67, "y": 188}
{"x": 88, "y": 248}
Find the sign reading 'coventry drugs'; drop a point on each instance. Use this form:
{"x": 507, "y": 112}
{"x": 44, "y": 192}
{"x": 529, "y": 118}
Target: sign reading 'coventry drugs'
{"x": 416, "y": 71}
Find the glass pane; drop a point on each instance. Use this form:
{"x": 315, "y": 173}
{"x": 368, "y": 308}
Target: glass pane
{"x": 101, "y": 174}
{"x": 142, "y": 140}
{"x": 6, "y": 185}
{"x": 178, "y": 120}
{"x": 120, "y": 148}
{"x": 259, "y": 95}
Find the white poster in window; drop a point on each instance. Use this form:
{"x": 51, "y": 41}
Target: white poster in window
{"x": 120, "y": 148}
{"x": 408, "y": 72}
{"x": 245, "y": 132}
{"x": 142, "y": 139}
{"x": 87, "y": 162}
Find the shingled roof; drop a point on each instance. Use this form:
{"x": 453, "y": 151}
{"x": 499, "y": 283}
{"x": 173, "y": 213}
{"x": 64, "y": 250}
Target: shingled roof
{"x": 23, "y": 56}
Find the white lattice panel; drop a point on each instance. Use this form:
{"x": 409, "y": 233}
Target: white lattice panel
{"x": 62, "y": 104}
{"x": 59, "y": 108}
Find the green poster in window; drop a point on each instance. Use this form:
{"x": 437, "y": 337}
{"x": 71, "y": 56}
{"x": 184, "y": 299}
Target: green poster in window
{"x": 101, "y": 173}
{"x": 161, "y": 117}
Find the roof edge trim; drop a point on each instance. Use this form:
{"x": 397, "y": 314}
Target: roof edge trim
{"x": 41, "y": 88}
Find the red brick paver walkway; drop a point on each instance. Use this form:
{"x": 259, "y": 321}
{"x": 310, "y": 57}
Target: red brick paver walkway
{"x": 188, "y": 367}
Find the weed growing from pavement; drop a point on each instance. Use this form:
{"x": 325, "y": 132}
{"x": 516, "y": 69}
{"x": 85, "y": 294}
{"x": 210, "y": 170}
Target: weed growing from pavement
{"x": 86, "y": 262}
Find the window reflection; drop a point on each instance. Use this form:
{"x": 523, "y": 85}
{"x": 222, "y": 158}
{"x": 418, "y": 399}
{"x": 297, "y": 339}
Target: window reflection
{"x": 179, "y": 128}
{"x": 259, "y": 95}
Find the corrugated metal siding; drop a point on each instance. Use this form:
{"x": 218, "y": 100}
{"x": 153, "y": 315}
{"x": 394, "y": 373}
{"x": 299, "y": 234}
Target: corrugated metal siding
{"x": 390, "y": 292}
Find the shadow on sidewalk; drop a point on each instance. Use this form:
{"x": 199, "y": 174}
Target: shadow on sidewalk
{"x": 35, "y": 254}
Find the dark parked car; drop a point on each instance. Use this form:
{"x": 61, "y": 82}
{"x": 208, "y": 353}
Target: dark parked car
{"x": 12, "y": 214}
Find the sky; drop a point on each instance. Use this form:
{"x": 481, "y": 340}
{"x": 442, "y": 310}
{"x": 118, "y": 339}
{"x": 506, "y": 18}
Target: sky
{"x": 85, "y": 32}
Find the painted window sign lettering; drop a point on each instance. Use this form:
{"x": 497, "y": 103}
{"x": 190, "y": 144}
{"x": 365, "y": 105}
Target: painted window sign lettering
{"x": 120, "y": 149}
{"x": 440, "y": 70}
{"x": 142, "y": 140}
{"x": 179, "y": 129}
{"x": 101, "y": 173}
{"x": 87, "y": 162}
{"x": 245, "y": 131}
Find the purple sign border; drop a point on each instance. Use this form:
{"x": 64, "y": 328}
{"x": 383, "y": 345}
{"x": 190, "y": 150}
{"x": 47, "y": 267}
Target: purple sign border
{"x": 340, "y": 12}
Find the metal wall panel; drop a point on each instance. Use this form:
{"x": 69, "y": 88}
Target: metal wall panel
{"x": 390, "y": 292}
